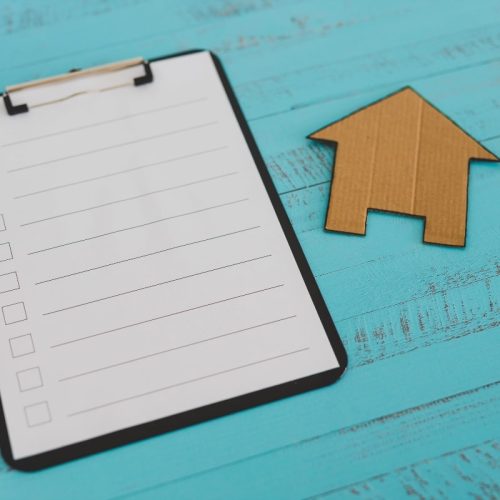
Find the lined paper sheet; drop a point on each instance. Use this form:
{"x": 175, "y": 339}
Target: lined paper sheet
{"x": 143, "y": 270}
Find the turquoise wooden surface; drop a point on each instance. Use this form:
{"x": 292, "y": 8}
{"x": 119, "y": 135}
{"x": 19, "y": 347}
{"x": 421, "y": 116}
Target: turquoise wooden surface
{"x": 418, "y": 411}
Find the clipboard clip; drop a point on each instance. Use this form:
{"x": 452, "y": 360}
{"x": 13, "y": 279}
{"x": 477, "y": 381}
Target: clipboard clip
{"x": 15, "y": 109}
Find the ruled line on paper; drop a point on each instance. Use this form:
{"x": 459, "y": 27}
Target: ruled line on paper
{"x": 186, "y": 382}
{"x": 105, "y": 122}
{"x": 114, "y": 146}
{"x": 120, "y": 172}
{"x": 142, "y": 256}
{"x": 131, "y": 198}
{"x": 138, "y": 226}
{"x": 164, "y": 316}
{"x": 154, "y": 285}
{"x": 177, "y": 348}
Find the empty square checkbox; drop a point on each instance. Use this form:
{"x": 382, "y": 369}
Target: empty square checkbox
{"x": 9, "y": 282}
{"x": 14, "y": 313}
{"x": 37, "y": 414}
{"x": 29, "y": 379}
{"x": 3, "y": 227}
{"x": 5, "y": 252}
{"x": 22, "y": 346}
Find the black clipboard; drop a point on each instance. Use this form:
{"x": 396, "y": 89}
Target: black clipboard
{"x": 173, "y": 422}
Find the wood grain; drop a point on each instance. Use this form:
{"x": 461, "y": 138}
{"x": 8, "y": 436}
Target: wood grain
{"x": 417, "y": 411}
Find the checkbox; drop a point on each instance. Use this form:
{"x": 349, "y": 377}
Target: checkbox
{"x": 29, "y": 379}
{"x": 3, "y": 227}
{"x": 5, "y": 252}
{"x": 9, "y": 282}
{"x": 14, "y": 313}
{"x": 22, "y": 346}
{"x": 37, "y": 414}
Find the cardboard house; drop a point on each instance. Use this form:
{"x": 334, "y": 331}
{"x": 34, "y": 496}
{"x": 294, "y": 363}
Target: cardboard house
{"x": 401, "y": 154}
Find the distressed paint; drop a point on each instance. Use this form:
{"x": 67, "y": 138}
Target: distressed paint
{"x": 417, "y": 412}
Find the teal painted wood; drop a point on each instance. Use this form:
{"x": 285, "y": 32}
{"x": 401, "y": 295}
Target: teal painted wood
{"x": 417, "y": 411}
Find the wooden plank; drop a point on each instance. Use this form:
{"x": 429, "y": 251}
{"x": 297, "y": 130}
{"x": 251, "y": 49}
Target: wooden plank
{"x": 22, "y": 15}
{"x": 260, "y": 39}
{"x": 311, "y": 467}
{"x": 469, "y": 472}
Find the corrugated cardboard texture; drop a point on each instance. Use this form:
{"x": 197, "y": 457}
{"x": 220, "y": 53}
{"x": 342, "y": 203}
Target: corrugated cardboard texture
{"x": 401, "y": 155}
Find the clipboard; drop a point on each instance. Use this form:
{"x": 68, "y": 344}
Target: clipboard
{"x": 235, "y": 386}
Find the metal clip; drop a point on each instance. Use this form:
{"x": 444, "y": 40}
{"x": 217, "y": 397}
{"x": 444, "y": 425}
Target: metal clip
{"x": 72, "y": 75}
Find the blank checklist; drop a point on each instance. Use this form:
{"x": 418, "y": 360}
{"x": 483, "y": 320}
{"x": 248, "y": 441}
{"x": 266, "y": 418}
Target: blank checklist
{"x": 144, "y": 272}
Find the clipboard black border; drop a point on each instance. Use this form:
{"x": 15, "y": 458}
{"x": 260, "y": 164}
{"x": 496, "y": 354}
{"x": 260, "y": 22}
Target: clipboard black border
{"x": 221, "y": 408}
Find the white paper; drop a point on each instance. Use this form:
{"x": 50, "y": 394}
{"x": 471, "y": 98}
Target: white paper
{"x": 146, "y": 273}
